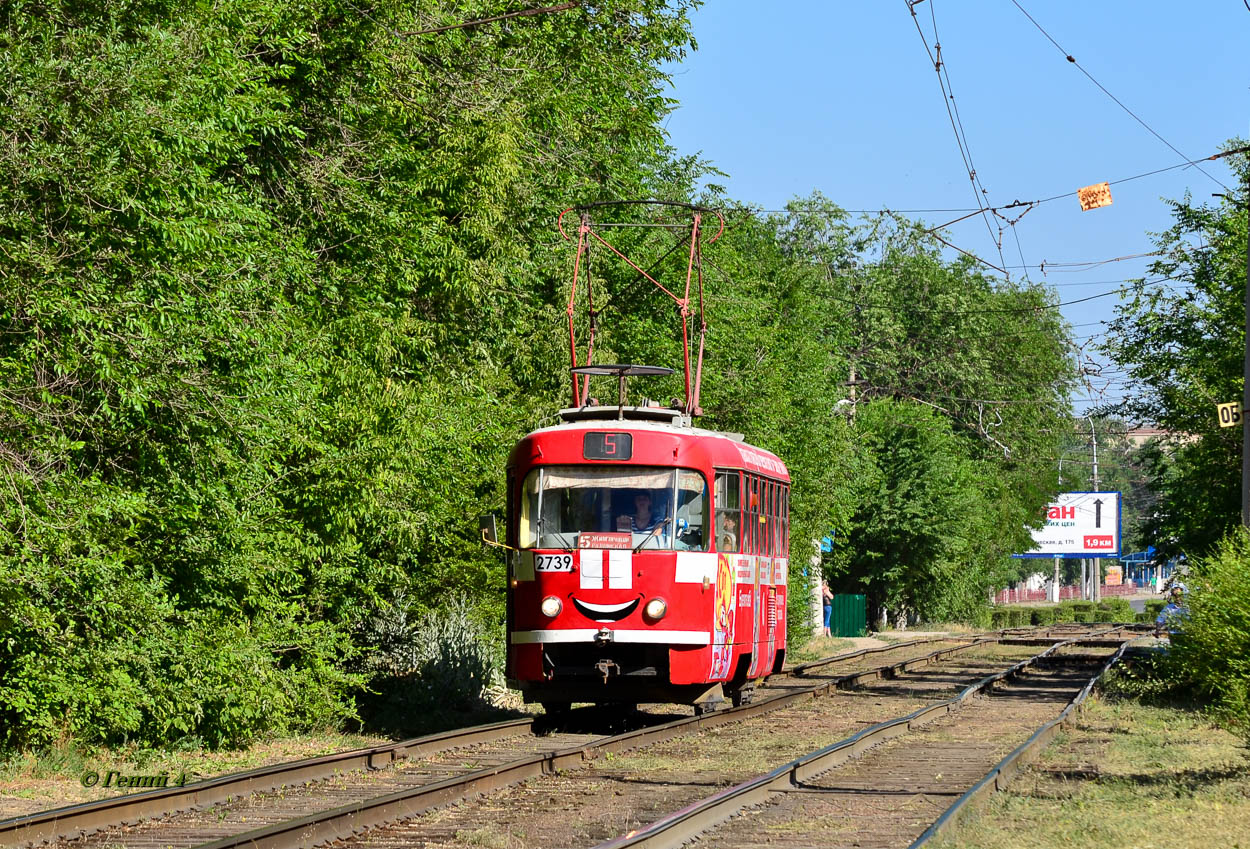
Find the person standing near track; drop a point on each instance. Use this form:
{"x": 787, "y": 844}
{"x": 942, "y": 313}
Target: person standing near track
{"x": 1173, "y": 614}
{"x": 826, "y": 601}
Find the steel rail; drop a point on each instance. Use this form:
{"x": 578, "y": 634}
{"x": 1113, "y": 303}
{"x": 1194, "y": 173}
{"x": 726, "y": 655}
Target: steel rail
{"x": 890, "y": 670}
{"x": 1099, "y": 638}
{"x": 689, "y": 822}
{"x": 1006, "y": 769}
{"x": 87, "y": 817}
{"x": 801, "y": 669}
{"x": 347, "y": 820}
{"x": 1008, "y": 636}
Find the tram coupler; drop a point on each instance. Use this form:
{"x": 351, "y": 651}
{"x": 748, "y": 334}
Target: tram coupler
{"x": 606, "y": 667}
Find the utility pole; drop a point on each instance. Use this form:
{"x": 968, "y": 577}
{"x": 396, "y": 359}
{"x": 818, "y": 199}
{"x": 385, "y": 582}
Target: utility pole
{"x": 1095, "y": 562}
{"x": 1245, "y": 366}
{"x": 1245, "y": 381}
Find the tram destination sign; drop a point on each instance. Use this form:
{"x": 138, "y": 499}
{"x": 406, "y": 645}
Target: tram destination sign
{"x": 608, "y": 446}
{"x": 1079, "y": 524}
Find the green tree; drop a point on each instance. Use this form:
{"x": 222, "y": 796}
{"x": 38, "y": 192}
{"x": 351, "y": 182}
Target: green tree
{"x": 918, "y": 539}
{"x": 271, "y": 273}
{"x": 1180, "y": 339}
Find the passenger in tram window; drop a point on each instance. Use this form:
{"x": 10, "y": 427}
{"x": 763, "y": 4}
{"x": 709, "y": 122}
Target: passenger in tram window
{"x": 727, "y": 534}
{"x": 728, "y": 511}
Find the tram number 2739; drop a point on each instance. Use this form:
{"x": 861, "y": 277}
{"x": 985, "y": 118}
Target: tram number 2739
{"x": 553, "y": 563}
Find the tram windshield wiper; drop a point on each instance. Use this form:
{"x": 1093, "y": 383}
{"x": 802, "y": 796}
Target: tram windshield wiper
{"x": 654, "y": 531}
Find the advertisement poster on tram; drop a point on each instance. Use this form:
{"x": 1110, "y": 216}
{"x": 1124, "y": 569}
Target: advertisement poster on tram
{"x": 1079, "y": 524}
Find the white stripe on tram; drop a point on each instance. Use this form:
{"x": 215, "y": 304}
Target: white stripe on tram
{"x": 587, "y": 635}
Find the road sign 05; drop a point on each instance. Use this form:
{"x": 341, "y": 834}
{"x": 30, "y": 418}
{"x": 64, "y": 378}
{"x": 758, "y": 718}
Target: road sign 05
{"x": 1230, "y": 414}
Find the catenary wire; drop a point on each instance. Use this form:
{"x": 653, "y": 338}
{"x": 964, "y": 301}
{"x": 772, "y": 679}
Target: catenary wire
{"x": 1020, "y": 203}
{"x": 965, "y": 152}
{"x": 1090, "y": 76}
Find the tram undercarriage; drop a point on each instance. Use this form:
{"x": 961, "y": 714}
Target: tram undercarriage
{"x": 625, "y": 674}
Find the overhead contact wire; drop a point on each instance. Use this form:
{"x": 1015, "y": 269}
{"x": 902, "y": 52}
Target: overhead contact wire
{"x": 1117, "y": 101}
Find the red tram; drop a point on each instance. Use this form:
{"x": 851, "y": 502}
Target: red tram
{"x": 648, "y": 557}
{"x": 651, "y": 560}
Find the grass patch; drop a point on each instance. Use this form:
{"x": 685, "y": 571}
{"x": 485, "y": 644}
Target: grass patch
{"x": 32, "y": 781}
{"x": 945, "y": 627}
{"x": 1127, "y": 774}
{"x": 818, "y": 647}
{"x": 488, "y": 837}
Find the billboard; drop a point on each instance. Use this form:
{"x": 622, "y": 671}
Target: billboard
{"x": 1079, "y": 524}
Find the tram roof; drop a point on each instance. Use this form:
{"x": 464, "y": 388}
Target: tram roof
{"x": 725, "y": 449}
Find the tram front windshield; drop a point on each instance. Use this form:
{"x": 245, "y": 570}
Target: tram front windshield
{"x": 659, "y": 508}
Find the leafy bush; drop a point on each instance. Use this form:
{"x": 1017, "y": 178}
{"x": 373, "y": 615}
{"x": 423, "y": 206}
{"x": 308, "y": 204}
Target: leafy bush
{"x": 999, "y": 617}
{"x": 101, "y": 657}
{"x": 1115, "y": 610}
{"x": 430, "y": 668}
{"x": 1154, "y": 607}
{"x": 1151, "y": 677}
{"x": 1063, "y": 613}
{"x": 1212, "y": 647}
{"x": 1080, "y": 606}
{"x": 1042, "y": 615}
{"x": 1084, "y": 616}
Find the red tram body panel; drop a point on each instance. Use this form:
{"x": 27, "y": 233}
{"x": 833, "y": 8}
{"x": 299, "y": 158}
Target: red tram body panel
{"x": 649, "y": 560}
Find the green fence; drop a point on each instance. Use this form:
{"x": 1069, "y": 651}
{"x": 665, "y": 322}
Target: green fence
{"x": 850, "y": 616}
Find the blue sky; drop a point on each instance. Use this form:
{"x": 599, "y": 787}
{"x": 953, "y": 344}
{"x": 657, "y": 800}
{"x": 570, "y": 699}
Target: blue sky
{"x": 841, "y": 97}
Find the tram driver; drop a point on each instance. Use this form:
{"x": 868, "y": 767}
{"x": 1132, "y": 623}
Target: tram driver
{"x": 643, "y": 519}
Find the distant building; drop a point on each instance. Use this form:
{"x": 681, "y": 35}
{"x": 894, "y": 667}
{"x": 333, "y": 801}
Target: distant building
{"x": 1139, "y": 436}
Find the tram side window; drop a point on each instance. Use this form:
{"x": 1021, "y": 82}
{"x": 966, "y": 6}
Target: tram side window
{"x": 692, "y": 512}
{"x": 777, "y": 526}
{"x": 770, "y": 524}
{"x": 728, "y": 511}
{"x": 785, "y": 522}
{"x": 529, "y": 512}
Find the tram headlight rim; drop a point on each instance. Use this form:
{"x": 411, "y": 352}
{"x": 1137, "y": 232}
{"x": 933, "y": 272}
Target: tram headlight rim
{"x": 655, "y": 609}
{"x": 551, "y": 607}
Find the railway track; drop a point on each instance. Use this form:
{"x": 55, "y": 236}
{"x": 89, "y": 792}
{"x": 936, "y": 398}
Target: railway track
{"x": 898, "y": 783}
{"x": 354, "y": 790}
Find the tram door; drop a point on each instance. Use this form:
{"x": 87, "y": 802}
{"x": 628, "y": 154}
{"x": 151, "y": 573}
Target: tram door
{"x": 768, "y": 644}
{"x": 757, "y": 521}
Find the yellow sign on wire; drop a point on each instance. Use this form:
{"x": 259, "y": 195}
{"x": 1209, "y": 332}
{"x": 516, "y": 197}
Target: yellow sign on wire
{"x": 1094, "y": 196}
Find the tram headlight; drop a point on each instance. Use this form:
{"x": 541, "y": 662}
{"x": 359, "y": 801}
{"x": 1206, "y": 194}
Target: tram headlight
{"x": 551, "y": 607}
{"x": 656, "y": 609}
